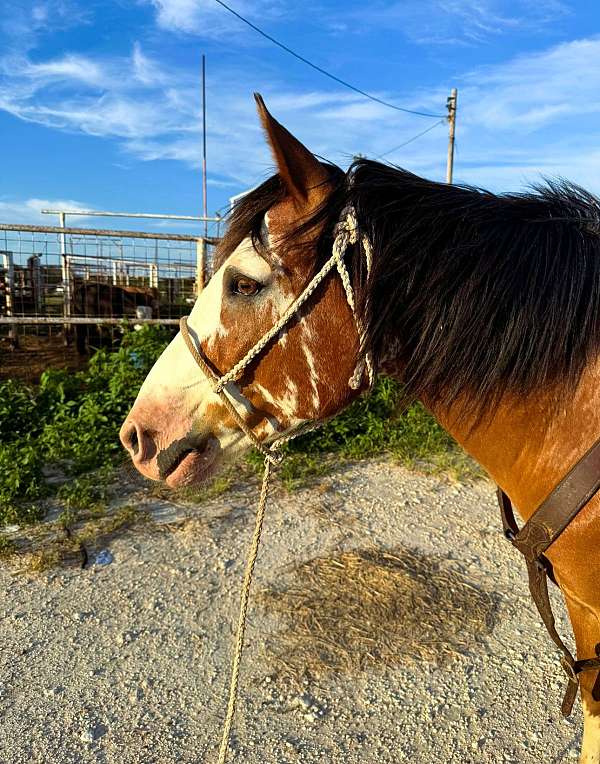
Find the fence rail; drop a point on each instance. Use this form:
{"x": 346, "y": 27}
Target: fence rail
{"x": 211, "y": 240}
{"x": 83, "y": 320}
{"x": 59, "y": 277}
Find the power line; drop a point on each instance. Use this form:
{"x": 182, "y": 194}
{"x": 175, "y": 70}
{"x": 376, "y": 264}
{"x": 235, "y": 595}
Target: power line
{"x": 410, "y": 140}
{"x": 323, "y": 71}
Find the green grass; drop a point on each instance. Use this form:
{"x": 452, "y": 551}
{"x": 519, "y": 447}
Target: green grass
{"x": 70, "y": 422}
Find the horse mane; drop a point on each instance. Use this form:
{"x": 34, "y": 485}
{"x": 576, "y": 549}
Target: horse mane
{"x": 479, "y": 294}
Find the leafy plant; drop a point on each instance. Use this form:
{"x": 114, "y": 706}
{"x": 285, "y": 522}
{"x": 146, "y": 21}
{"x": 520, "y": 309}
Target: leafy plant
{"x": 71, "y": 420}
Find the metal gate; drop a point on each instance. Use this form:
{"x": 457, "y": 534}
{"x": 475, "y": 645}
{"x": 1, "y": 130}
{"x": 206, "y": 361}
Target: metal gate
{"x": 47, "y": 274}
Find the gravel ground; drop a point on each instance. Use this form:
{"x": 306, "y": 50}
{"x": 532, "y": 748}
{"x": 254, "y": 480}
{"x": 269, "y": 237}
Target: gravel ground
{"x": 129, "y": 662}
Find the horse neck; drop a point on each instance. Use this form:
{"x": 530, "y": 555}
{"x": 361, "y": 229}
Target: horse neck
{"x": 528, "y": 445}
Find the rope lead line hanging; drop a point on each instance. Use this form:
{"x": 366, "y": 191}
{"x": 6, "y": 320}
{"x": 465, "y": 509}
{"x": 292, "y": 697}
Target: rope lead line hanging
{"x": 244, "y": 599}
{"x": 346, "y": 233}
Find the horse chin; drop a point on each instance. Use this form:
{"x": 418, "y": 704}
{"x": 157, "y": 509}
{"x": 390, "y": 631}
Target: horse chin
{"x": 196, "y": 466}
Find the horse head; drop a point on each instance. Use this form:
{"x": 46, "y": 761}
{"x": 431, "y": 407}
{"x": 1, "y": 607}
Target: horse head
{"x": 179, "y": 429}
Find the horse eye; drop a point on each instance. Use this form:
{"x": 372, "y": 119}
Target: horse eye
{"x": 246, "y": 286}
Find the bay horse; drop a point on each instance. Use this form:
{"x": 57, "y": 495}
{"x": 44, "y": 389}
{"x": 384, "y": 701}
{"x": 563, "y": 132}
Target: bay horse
{"x": 485, "y": 306}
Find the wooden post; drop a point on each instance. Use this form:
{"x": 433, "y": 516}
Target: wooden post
{"x": 451, "y": 106}
{"x": 9, "y": 282}
{"x": 200, "y": 264}
{"x": 66, "y": 279}
{"x": 35, "y": 276}
{"x": 66, "y": 276}
{"x": 153, "y": 276}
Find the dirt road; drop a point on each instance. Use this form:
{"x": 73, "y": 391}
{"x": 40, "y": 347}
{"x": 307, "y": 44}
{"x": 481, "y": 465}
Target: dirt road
{"x": 128, "y": 662}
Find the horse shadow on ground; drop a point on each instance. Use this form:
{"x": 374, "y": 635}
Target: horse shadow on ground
{"x": 370, "y": 607}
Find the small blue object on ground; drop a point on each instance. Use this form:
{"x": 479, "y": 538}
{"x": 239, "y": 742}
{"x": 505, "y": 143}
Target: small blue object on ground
{"x": 104, "y": 557}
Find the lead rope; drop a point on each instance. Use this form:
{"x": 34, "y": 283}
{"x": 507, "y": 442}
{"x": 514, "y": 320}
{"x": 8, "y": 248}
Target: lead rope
{"x": 241, "y": 627}
{"x": 346, "y": 233}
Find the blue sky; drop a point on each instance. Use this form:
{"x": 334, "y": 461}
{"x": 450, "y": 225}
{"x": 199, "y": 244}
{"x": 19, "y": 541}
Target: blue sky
{"x": 100, "y": 99}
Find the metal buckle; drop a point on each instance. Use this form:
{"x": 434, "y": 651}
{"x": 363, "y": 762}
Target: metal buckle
{"x": 569, "y": 669}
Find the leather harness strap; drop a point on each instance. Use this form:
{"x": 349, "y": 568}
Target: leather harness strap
{"x": 544, "y": 526}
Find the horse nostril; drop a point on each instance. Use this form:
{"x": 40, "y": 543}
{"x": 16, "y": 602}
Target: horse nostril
{"x": 134, "y": 443}
{"x": 130, "y": 438}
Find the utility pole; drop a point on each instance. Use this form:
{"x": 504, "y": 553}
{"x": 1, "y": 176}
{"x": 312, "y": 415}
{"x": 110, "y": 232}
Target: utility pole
{"x": 204, "y": 194}
{"x": 451, "y": 106}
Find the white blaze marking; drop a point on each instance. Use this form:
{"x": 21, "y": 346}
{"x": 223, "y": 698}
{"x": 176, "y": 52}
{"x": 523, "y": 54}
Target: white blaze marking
{"x": 310, "y": 362}
{"x": 282, "y": 405}
{"x": 176, "y": 379}
{"x": 289, "y": 402}
{"x": 205, "y": 318}
{"x": 313, "y": 377}
{"x": 176, "y": 383}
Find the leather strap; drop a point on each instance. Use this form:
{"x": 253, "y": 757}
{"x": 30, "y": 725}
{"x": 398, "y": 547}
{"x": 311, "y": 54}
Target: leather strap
{"x": 561, "y": 506}
{"x": 546, "y": 524}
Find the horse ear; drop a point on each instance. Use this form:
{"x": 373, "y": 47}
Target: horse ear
{"x": 299, "y": 169}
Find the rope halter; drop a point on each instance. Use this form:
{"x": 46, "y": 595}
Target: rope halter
{"x": 346, "y": 234}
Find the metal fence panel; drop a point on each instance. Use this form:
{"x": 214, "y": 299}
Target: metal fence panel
{"x": 53, "y": 278}
{"x": 48, "y": 271}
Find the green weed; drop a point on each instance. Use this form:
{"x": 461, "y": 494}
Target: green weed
{"x": 7, "y": 547}
{"x": 71, "y": 420}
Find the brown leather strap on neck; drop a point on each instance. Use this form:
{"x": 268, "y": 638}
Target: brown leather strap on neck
{"x": 561, "y": 506}
{"x": 546, "y": 524}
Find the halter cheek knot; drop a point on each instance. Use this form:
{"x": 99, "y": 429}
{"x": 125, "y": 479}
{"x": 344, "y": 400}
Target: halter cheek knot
{"x": 347, "y": 233}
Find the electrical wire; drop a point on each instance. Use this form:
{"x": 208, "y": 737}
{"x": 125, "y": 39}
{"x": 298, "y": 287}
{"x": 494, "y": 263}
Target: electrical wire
{"x": 323, "y": 71}
{"x": 410, "y": 140}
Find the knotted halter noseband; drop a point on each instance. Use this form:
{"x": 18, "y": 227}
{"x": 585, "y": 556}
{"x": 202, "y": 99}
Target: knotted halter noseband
{"x": 346, "y": 234}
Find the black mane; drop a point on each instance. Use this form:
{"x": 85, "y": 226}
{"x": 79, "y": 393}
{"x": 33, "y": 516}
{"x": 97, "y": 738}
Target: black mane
{"x": 485, "y": 293}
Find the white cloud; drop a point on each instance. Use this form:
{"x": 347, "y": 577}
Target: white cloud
{"x": 532, "y": 90}
{"x": 21, "y": 21}
{"x": 145, "y": 70}
{"x": 70, "y": 67}
{"x": 206, "y": 18}
{"x": 463, "y": 22}
{"x": 533, "y": 114}
{"x": 28, "y": 211}
{"x": 80, "y": 94}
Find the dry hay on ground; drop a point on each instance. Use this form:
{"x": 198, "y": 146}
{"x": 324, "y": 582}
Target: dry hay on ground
{"x": 369, "y": 607}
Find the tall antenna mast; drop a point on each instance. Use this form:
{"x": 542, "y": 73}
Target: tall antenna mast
{"x": 204, "y": 192}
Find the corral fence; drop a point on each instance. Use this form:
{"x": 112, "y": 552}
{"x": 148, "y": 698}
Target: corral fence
{"x": 56, "y": 278}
